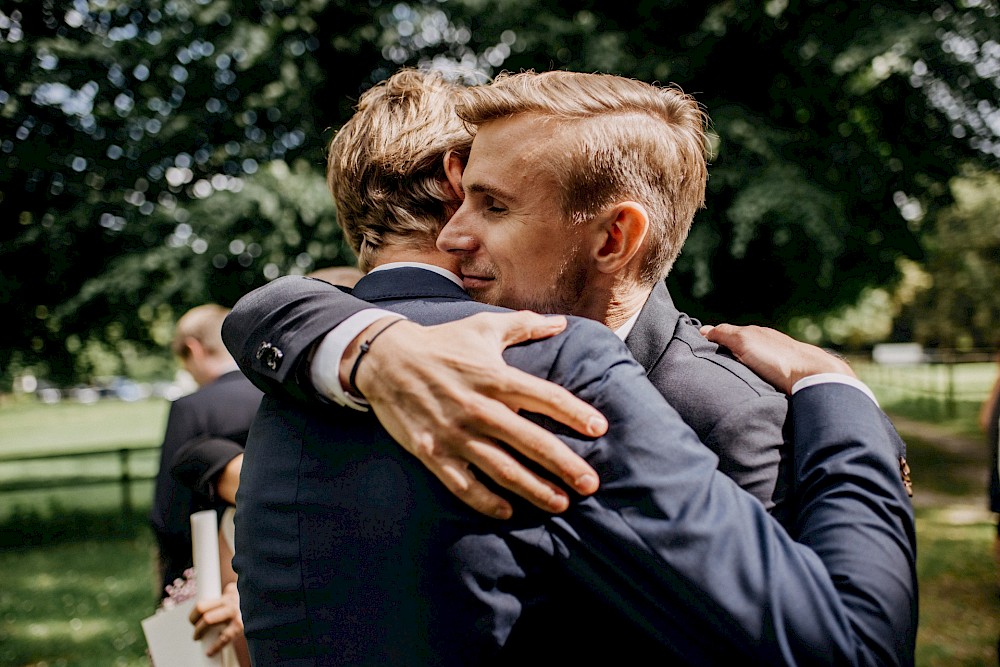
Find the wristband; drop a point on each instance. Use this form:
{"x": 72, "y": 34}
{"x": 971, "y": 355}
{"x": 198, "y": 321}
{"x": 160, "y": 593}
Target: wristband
{"x": 365, "y": 346}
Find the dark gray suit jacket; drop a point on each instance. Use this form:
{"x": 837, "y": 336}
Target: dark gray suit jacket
{"x": 349, "y": 552}
{"x": 736, "y": 414}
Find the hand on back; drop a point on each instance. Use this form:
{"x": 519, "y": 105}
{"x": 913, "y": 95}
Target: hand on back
{"x": 776, "y": 357}
{"x": 448, "y": 397}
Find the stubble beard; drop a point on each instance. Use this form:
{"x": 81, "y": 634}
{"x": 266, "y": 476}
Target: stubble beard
{"x": 560, "y": 297}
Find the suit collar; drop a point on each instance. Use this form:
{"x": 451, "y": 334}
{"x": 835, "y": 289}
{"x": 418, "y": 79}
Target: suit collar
{"x": 655, "y": 327}
{"x": 407, "y": 282}
{"x": 433, "y": 268}
{"x": 225, "y": 376}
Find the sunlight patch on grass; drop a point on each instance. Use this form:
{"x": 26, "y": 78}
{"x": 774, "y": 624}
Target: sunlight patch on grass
{"x": 74, "y": 630}
{"x": 77, "y": 604}
{"x": 34, "y": 428}
{"x": 963, "y": 515}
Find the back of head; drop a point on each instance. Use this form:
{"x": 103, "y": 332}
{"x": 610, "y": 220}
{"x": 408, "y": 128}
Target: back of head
{"x": 628, "y": 141}
{"x": 204, "y": 324}
{"x": 385, "y": 166}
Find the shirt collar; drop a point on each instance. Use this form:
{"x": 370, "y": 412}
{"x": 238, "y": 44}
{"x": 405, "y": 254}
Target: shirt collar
{"x": 624, "y": 330}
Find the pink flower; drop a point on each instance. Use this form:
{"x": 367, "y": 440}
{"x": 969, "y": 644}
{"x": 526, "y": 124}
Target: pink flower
{"x": 181, "y": 590}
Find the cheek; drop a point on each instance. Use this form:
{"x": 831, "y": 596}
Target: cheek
{"x": 539, "y": 264}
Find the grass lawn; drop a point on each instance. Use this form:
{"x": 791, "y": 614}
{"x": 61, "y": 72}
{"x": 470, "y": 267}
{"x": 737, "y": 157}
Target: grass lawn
{"x": 30, "y": 428}
{"x": 27, "y": 427}
{"x": 78, "y": 603}
{"x": 959, "y": 606}
{"x": 921, "y": 392}
{"x": 78, "y": 598}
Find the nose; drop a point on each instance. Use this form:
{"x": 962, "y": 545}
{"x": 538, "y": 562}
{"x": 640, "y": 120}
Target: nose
{"x": 456, "y": 236}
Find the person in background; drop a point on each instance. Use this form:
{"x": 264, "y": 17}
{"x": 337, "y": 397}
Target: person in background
{"x": 220, "y": 410}
{"x": 989, "y": 422}
{"x": 209, "y": 466}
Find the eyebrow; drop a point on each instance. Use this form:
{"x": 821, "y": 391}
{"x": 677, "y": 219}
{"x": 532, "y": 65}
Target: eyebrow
{"x": 490, "y": 191}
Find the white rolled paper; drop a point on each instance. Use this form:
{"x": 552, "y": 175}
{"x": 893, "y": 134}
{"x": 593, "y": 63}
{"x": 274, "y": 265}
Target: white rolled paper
{"x": 205, "y": 543}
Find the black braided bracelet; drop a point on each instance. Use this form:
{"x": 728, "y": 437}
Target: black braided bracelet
{"x": 365, "y": 346}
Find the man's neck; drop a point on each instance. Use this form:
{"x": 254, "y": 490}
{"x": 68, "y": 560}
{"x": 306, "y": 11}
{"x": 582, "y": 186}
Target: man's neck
{"x": 622, "y": 308}
{"x": 212, "y": 369}
{"x": 614, "y": 305}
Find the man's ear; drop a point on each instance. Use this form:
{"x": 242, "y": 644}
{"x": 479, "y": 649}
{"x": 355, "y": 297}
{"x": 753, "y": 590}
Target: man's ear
{"x": 622, "y": 235}
{"x": 196, "y": 352}
{"x": 454, "y": 165}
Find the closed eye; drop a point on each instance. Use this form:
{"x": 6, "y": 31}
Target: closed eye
{"x": 492, "y": 205}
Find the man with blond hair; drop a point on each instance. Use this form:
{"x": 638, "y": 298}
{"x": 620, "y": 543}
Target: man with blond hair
{"x": 351, "y": 552}
{"x": 578, "y": 197}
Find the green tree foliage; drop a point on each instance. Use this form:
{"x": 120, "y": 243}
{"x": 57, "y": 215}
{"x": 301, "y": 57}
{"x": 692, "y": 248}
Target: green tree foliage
{"x": 155, "y": 154}
{"x": 138, "y": 140}
{"x": 960, "y": 305}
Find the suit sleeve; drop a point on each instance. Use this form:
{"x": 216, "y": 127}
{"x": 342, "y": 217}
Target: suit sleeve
{"x": 199, "y": 461}
{"x": 695, "y": 560}
{"x": 271, "y": 331}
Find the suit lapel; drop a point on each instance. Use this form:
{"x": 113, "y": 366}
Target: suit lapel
{"x": 654, "y": 329}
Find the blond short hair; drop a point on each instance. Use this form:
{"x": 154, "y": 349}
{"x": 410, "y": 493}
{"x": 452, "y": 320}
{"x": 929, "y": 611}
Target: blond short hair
{"x": 348, "y": 276}
{"x": 204, "y": 324}
{"x": 631, "y": 141}
{"x": 385, "y": 166}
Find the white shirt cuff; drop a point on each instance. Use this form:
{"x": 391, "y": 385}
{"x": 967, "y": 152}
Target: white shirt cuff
{"x": 325, "y": 367}
{"x": 823, "y": 378}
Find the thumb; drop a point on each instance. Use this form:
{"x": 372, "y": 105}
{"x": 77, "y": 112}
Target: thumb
{"x": 524, "y": 325}
{"x": 721, "y": 334}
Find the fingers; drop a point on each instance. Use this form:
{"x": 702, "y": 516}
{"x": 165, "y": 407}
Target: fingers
{"x": 207, "y": 618}
{"x": 226, "y": 636}
{"x": 458, "y": 479}
{"x": 726, "y": 335}
{"x": 452, "y": 409}
{"x": 533, "y": 393}
{"x": 499, "y": 466}
{"x": 501, "y": 425}
{"x": 545, "y": 449}
{"x": 499, "y": 421}
{"x": 549, "y": 399}
{"x": 510, "y": 474}
{"x": 775, "y": 356}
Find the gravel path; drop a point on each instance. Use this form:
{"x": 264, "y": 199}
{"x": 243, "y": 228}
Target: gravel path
{"x": 966, "y": 456}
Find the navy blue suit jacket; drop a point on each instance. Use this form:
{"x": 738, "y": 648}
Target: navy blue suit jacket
{"x": 349, "y": 552}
